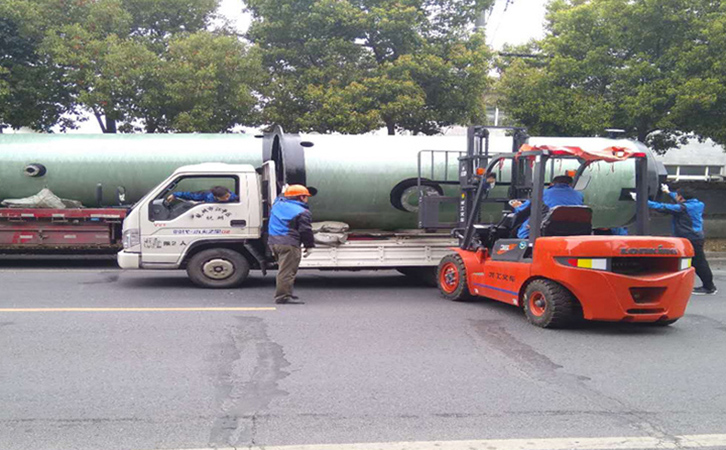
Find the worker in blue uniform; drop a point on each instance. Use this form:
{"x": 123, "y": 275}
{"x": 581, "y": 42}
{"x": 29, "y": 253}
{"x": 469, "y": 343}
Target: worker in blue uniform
{"x": 687, "y": 213}
{"x": 559, "y": 193}
{"x": 290, "y": 227}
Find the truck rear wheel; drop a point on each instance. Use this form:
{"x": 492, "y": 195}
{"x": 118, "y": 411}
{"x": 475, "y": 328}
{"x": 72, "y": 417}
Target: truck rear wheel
{"x": 452, "y": 279}
{"x": 218, "y": 268}
{"x": 549, "y": 305}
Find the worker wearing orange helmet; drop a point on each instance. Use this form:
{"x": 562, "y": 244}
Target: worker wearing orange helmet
{"x": 290, "y": 227}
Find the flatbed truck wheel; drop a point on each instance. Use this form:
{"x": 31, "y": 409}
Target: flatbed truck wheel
{"x": 549, "y": 305}
{"x": 218, "y": 268}
{"x": 451, "y": 277}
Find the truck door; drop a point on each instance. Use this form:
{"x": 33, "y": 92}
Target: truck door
{"x": 269, "y": 186}
{"x": 173, "y": 226}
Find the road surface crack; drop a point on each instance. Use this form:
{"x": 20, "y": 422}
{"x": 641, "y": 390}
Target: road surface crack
{"x": 250, "y": 368}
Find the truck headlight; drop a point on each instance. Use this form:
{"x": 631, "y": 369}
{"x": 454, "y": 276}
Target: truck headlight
{"x": 131, "y": 238}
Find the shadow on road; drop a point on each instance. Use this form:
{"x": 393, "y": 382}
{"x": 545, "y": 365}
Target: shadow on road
{"x": 103, "y": 262}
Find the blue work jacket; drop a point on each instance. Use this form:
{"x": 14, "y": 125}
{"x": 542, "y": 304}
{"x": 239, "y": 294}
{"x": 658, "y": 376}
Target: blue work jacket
{"x": 555, "y": 195}
{"x": 687, "y": 217}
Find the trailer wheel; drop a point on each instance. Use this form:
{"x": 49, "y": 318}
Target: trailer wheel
{"x": 549, "y": 305}
{"x": 451, "y": 277}
{"x": 218, "y": 268}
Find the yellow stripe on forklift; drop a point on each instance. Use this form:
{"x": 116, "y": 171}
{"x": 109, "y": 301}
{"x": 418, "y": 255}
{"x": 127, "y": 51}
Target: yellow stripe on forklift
{"x": 199, "y": 309}
{"x": 584, "y": 263}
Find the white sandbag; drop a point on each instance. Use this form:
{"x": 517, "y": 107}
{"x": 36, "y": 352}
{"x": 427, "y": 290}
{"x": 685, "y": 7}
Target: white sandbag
{"x": 330, "y": 227}
{"x": 43, "y": 199}
{"x": 330, "y": 239}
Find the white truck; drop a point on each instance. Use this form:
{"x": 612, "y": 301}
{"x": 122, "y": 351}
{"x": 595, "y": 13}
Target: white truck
{"x": 219, "y": 243}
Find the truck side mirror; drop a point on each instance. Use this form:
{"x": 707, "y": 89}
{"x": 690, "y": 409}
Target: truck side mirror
{"x": 158, "y": 211}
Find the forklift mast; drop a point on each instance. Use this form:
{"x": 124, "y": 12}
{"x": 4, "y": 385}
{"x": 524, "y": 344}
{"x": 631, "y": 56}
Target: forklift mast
{"x": 476, "y": 158}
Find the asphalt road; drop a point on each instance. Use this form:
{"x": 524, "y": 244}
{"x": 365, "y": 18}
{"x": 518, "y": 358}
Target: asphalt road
{"x": 370, "y": 358}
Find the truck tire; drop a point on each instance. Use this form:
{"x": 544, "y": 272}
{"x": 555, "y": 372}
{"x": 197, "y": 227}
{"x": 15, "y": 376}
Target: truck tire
{"x": 218, "y": 268}
{"x": 549, "y": 305}
{"x": 426, "y": 276}
{"x": 451, "y": 276}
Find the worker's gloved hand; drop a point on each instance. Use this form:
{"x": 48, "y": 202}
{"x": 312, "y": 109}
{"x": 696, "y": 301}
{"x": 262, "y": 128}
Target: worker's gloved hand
{"x": 634, "y": 196}
{"x": 665, "y": 189}
{"x": 515, "y": 203}
{"x": 307, "y": 252}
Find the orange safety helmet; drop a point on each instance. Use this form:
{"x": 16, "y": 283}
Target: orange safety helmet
{"x": 297, "y": 190}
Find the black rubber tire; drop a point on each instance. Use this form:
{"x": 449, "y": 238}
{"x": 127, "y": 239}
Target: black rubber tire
{"x": 427, "y": 276}
{"x": 240, "y": 268}
{"x": 457, "y": 290}
{"x": 560, "y": 308}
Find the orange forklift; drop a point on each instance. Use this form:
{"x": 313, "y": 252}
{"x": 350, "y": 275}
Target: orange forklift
{"x": 563, "y": 273}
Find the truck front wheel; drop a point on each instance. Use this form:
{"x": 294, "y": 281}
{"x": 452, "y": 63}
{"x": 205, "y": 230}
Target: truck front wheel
{"x": 218, "y": 268}
{"x": 549, "y": 305}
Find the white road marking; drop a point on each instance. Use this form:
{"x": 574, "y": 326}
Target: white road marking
{"x": 193, "y": 309}
{"x": 697, "y": 441}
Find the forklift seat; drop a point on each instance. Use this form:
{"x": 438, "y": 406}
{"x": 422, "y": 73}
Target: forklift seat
{"x": 567, "y": 221}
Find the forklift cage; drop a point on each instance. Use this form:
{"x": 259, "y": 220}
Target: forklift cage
{"x": 540, "y": 155}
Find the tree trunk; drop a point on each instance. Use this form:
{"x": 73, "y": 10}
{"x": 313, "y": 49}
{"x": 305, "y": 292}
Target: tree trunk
{"x": 100, "y": 121}
{"x": 110, "y": 126}
{"x": 391, "y": 127}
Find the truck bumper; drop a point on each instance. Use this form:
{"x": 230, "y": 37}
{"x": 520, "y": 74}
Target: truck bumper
{"x": 127, "y": 260}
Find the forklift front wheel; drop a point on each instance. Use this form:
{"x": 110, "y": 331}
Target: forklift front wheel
{"x": 549, "y": 305}
{"x": 218, "y": 268}
{"x": 452, "y": 279}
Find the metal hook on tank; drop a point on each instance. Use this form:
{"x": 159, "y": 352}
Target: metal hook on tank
{"x": 34, "y": 170}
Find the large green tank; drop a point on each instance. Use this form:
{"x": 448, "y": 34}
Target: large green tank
{"x": 72, "y": 166}
{"x": 361, "y": 179}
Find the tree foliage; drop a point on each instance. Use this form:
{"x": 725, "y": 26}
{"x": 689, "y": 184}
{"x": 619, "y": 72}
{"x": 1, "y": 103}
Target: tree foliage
{"x": 355, "y": 65}
{"x": 135, "y": 64}
{"x": 651, "y": 67}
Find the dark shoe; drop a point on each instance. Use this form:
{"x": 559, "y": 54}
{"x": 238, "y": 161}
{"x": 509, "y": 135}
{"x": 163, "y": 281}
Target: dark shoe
{"x": 288, "y": 301}
{"x": 295, "y": 297}
{"x": 703, "y": 291}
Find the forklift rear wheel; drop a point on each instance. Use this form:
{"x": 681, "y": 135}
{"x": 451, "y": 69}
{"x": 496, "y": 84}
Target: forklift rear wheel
{"x": 218, "y": 268}
{"x": 452, "y": 279}
{"x": 549, "y": 305}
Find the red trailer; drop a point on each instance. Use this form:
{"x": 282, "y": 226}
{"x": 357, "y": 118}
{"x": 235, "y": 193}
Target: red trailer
{"x": 58, "y": 230}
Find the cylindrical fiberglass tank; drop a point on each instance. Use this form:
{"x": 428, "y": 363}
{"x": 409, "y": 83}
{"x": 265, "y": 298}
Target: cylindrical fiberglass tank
{"x": 73, "y": 165}
{"x": 367, "y": 181}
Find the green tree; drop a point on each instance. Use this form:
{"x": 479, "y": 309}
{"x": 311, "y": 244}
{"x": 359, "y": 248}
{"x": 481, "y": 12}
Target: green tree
{"x": 135, "y": 64}
{"x": 31, "y": 93}
{"x": 353, "y": 66}
{"x": 613, "y": 63}
{"x": 205, "y": 84}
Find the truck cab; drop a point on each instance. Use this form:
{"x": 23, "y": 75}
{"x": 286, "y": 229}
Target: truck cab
{"x": 217, "y": 242}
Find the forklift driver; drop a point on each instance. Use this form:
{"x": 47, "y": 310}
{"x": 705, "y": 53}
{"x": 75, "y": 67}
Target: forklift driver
{"x": 560, "y": 193}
